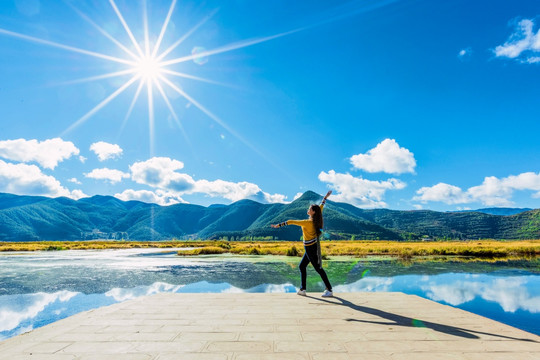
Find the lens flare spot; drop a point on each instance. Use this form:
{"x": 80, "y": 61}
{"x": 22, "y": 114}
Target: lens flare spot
{"x": 198, "y": 55}
{"x": 418, "y": 323}
{"x": 365, "y": 272}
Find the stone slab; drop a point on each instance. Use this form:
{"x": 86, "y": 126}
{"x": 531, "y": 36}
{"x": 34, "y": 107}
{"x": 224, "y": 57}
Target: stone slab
{"x": 371, "y": 326}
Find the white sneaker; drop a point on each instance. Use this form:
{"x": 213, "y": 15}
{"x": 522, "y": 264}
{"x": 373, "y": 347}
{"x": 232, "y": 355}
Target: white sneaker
{"x": 301, "y": 292}
{"x": 327, "y": 293}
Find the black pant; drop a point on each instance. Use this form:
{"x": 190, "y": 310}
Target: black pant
{"x": 311, "y": 256}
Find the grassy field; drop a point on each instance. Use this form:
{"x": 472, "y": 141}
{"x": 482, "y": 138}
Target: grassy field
{"x": 524, "y": 249}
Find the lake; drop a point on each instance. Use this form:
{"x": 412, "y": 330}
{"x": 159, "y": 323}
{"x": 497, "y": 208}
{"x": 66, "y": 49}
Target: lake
{"x": 38, "y": 288}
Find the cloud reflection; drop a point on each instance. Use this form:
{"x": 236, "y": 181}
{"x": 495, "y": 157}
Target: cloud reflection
{"x": 19, "y": 308}
{"x": 367, "y": 284}
{"x": 122, "y": 294}
{"x": 510, "y": 293}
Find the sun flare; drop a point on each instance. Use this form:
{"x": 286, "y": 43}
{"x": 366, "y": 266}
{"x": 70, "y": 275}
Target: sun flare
{"x": 148, "y": 68}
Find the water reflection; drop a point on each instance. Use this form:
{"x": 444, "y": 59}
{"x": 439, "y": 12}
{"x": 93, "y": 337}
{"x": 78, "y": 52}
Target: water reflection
{"x": 40, "y": 288}
{"x": 24, "y": 312}
{"x": 510, "y": 293}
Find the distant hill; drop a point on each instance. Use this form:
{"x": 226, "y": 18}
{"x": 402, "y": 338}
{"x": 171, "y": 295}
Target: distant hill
{"x": 500, "y": 211}
{"x": 24, "y": 218}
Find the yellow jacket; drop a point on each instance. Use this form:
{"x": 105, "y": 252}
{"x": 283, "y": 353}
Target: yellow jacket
{"x": 308, "y": 229}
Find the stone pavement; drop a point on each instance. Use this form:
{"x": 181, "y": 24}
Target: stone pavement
{"x": 280, "y": 326}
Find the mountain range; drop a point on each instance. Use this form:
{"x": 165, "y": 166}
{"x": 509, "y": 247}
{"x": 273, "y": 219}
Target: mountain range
{"x": 25, "y": 218}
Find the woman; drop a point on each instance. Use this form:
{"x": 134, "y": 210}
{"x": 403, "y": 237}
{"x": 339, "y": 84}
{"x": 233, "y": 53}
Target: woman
{"x": 311, "y": 230}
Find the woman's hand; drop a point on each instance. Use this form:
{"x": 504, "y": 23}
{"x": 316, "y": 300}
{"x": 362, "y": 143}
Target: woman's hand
{"x": 275, "y": 226}
{"x": 327, "y": 194}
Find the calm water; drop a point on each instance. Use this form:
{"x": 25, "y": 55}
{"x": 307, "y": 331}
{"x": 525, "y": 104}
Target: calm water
{"x": 41, "y": 287}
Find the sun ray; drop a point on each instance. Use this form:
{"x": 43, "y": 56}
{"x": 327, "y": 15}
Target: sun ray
{"x": 150, "y": 115}
{"x": 131, "y": 106}
{"x": 126, "y": 27}
{"x": 193, "y": 77}
{"x": 226, "y": 48}
{"x": 98, "y": 77}
{"x": 65, "y": 47}
{"x": 145, "y": 28}
{"x": 194, "y": 102}
{"x": 171, "y": 109}
{"x": 99, "y": 106}
{"x": 218, "y": 121}
{"x": 163, "y": 28}
{"x": 101, "y": 30}
{"x": 186, "y": 35}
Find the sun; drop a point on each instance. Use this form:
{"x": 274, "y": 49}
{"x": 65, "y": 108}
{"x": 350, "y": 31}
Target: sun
{"x": 148, "y": 68}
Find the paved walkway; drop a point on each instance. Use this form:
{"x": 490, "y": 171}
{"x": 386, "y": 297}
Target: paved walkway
{"x": 281, "y": 326}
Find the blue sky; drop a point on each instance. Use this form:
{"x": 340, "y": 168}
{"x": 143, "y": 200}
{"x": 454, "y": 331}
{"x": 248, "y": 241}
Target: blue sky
{"x": 394, "y": 104}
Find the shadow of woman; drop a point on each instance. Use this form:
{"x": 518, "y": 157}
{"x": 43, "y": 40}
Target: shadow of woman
{"x": 399, "y": 320}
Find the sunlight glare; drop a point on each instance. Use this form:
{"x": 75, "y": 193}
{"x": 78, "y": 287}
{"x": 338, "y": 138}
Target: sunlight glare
{"x": 148, "y": 68}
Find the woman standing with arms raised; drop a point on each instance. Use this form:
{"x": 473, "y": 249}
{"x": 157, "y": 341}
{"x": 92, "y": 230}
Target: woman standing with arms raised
{"x": 311, "y": 230}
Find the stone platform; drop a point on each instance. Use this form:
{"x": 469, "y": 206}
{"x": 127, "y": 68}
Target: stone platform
{"x": 280, "y": 326}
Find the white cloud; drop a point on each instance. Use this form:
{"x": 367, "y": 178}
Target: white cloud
{"x": 235, "y": 191}
{"x": 47, "y": 153}
{"x": 23, "y": 179}
{"x": 162, "y": 173}
{"x": 297, "y": 196}
{"x": 274, "y": 198}
{"x": 112, "y": 175}
{"x": 77, "y": 194}
{"x": 497, "y": 192}
{"x": 159, "y": 197}
{"x": 523, "y": 181}
{"x": 82, "y": 159}
{"x": 75, "y": 181}
{"x": 105, "y": 151}
{"x": 442, "y": 192}
{"x": 465, "y": 54}
{"x": 358, "y": 191}
{"x": 492, "y": 192}
{"x": 386, "y": 157}
{"x": 522, "y": 41}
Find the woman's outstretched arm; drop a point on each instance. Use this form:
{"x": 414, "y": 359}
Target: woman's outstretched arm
{"x": 324, "y": 199}
{"x": 292, "y": 222}
{"x": 275, "y": 226}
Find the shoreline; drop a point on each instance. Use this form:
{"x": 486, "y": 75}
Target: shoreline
{"x": 482, "y": 249}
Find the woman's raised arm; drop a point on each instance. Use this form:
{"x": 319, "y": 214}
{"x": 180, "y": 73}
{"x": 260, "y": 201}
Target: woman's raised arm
{"x": 326, "y": 197}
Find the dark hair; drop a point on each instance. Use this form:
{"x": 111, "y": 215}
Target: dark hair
{"x": 317, "y": 218}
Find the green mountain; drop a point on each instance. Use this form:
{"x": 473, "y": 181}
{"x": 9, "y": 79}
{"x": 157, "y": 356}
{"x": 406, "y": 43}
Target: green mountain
{"x": 24, "y": 218}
